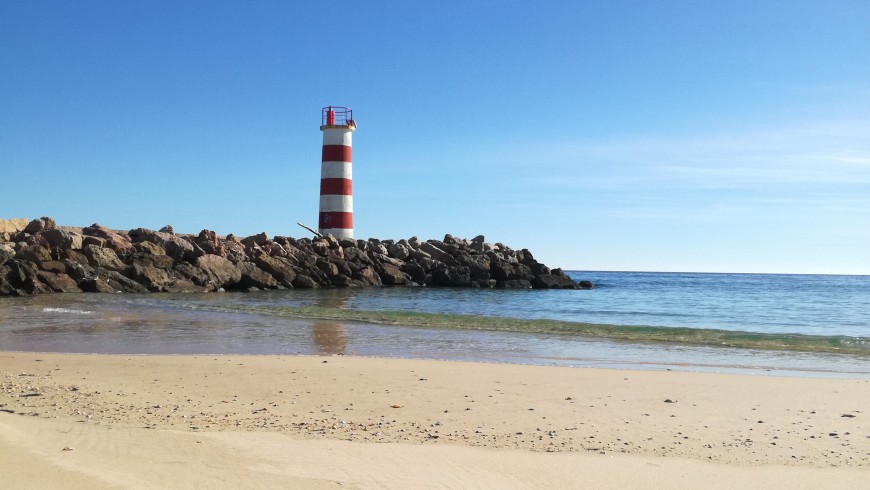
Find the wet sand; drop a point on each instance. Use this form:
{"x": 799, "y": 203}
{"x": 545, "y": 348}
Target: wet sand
{"x": 324, "y": 422}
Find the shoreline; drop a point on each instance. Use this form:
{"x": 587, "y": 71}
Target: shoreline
{"x": 693, "y": 423}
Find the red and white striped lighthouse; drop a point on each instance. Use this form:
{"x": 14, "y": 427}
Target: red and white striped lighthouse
{"x": 336, "y": 189}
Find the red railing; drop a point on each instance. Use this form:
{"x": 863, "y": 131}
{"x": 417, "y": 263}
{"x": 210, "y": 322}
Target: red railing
{"x": 337, "y": 116}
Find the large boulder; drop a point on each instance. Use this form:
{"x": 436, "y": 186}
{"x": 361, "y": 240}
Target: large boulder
{"x": 23, "y": 277}
{"x": 398, "y": 251}
{"x": 303, "y": 281}
{"x": 149, "y": 248}
{"x": 438, "y": 254}
{"x": 514, "y": 284}
{"x": 96, "y": 285}
{"x": 551, "y": 281}
{"x": 114, "y": 240}
{"x": 192, "y": 273}
{"x": 280, "y": 268}
{"x": 40, "y": 224}
{"x": 367, "y": 275}
{"x": 151, "y": 277}
{"x": 175, "y": 246}
{"x": 62, "y": 239}
{"x": 221, "y": 272}
{"x": 209, "y": 242}
{"x": 104, "y": 258}
{"x": 392, "y": 275}
{"x": 254, "y": 277}
{"x": 259, "y": 240}
{"x": 60, "y": 283}
{"x": 235, "y": 251}
{"x": 117, "y": 282}
{"x": 7, "y": 252}
{"x": 34, "y": 253}
{"x": 452, "y": 276}
{"x": 77, "y": 270}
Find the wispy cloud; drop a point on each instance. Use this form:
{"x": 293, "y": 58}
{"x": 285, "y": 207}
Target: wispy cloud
{"x": 832, "y": 153}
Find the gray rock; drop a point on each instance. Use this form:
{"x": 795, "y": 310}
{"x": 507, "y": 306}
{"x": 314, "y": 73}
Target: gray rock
{"x": 514, "y": 284}
{"x": 114, "y": 240}
{"x": 459, "y": 276}
{"x": 398, "y": 251}
{"x": 438, "y": 254}
{"x": 550, "y": 281}
{"x": 259, "y": 239}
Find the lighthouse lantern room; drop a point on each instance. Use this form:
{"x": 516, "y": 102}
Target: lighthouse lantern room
{"x": 336, "y": 189}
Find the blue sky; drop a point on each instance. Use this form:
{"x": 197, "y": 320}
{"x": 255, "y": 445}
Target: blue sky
{"x": 729, "y": 136}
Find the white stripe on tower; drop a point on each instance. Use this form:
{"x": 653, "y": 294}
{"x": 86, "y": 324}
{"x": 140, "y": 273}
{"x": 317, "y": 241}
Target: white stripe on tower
{"x": 336, "y": 182}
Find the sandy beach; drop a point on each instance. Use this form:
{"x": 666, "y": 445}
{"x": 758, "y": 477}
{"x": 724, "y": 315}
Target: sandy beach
{"x": 99, "y": 421}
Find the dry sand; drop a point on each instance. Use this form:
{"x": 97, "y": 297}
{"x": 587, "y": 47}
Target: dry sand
{"x": 329, "y": 422}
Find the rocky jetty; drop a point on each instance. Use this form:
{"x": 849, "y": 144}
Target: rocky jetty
{"x": 40, "y": 257}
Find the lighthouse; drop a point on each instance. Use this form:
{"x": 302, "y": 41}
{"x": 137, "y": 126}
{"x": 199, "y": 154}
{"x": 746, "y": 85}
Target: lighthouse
{"x": 336, "y": 189}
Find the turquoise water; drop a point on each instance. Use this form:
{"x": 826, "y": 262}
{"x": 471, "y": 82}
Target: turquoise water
{"x": 795, "y": 324}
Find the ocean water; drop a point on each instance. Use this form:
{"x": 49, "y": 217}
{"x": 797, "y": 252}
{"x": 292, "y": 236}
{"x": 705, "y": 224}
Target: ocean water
{"x": 806, "y": 325}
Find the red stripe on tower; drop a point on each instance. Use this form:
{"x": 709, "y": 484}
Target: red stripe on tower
{"x": 336, "y": 153}
{"x": 336, "y": 182}
{"x": 341, "y": 187}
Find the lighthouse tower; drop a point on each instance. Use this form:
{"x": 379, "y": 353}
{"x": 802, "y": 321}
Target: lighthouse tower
{"x": 336, "y": 189}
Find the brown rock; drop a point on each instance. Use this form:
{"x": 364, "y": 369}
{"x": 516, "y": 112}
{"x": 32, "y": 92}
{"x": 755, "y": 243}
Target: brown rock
{"x": 303, "y": 281}
{"x": 34, "y": 253}
{"x": 392, "y": 275}
{"x": 96, "y": 285}
{"x": 53, "y": 266}
{"x": 254, "y": 277}
{"x": 92, "y": 240}
{"x": 13, "y": 226}
{"x": 62, "y": 239}
{"x": 61, "y": 283}
{"x": 368, "y": 275}
{"x": 151, "y": 277}
{"x": 7, "y": 252}
{"x": 280, "y": 268}
{"x": 149, "y": 248}
{"x": 221, "y": 272}
{"x": 120, "y": 283}
{"x": 104, "y": 258}
{"x": 259, "y": 239}
{"x": 209, "y": 242}
{"x": 192, "y": 273}
{"x": 114, "y": 240}
{"x": 40, "y": 224}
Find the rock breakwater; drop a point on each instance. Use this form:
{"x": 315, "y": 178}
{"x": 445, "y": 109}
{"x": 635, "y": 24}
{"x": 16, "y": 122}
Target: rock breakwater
{"x": 41, "y": 257}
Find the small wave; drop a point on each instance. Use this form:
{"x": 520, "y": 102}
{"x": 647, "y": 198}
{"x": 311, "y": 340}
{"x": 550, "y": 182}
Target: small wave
{"x": 66, "y": 310}
{"x": 620, "y": 333}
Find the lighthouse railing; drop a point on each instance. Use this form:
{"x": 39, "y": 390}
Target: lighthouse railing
{"x": 336, "y": 116}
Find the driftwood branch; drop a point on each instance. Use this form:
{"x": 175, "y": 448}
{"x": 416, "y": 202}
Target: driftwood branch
{"x": 312, "y": 230}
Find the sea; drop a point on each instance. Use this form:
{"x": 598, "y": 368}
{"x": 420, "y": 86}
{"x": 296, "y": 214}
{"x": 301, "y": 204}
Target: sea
{"x": 758, "y": 324}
